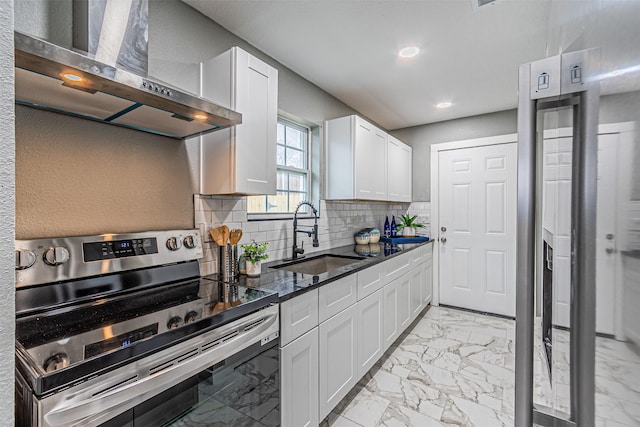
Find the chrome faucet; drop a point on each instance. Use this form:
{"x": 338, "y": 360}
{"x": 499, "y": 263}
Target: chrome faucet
{"x": 297, "y": 252}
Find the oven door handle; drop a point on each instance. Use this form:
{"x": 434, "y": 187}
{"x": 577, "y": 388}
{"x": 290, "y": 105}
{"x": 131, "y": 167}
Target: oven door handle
{"x": 97, "y": 408}
{"x": 73, "y": 413}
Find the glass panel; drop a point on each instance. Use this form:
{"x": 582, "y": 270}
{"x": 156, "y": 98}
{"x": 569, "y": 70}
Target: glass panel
{"x": 281, "y": 183}
{"x": 277, "y": 203}
{"x": 281, "y": 132}
{"x": 294, "y": 199}
{"x": 297, "y": 182}
{"x": 280, "y": 159}
{"x": 295, "y": 158}
{"x": 256, "y": 204}
{"x": 295, "y": 138}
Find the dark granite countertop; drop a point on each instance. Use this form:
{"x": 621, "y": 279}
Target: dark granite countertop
{"x": 289, "y": 284}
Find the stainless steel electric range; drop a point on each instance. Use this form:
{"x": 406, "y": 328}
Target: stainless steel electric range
{"x": 119, "y": 329}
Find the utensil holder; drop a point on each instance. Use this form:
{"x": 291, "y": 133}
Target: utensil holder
{"x": 228, "y": 262}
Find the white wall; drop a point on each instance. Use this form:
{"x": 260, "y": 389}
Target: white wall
{"x": 7, "y": 216}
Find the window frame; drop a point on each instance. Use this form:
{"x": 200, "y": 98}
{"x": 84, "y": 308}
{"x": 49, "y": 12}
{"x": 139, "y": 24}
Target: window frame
{"x": 307, "y": 172}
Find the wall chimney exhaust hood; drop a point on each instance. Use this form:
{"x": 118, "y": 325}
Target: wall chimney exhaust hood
{"x": 53, "y": 78}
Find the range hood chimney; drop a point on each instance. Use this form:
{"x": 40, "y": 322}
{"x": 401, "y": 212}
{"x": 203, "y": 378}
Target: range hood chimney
{"x": 107, "y": 83}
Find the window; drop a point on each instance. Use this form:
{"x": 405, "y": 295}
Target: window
{"x": 293, "y": 172}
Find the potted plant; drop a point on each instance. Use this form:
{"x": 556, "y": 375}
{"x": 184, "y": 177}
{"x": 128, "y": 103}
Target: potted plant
{"x": 408, "y": 225}
{"x": 254, "y": 254}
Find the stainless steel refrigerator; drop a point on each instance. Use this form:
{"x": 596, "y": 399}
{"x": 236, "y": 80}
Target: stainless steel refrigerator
{"x": 578, "y": 260}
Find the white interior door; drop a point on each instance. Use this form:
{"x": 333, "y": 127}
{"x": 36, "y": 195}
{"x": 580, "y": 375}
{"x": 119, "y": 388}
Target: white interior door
{"x": 477, "y": 220}
{"x": 557, "y": 224}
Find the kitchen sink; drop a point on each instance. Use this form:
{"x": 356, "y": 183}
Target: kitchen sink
{"x": 319, "y": 264}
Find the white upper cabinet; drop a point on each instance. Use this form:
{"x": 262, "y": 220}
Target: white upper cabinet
{"x": 241, "y": 159}
{"x": 365, "y": 163}
{"x": 399, "y": 174}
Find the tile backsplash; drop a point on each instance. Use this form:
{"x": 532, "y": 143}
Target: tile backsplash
{"x": 338, "y": 221}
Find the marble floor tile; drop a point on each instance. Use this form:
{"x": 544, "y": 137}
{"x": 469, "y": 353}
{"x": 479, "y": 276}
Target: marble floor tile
{"x": 457, "y": 368}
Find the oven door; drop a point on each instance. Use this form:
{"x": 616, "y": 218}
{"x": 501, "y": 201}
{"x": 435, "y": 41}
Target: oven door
{"x": 188, "y": 380}
{"x": 242, "y": 390}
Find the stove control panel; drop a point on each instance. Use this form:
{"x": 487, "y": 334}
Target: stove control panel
{"x": 50, "y": 260}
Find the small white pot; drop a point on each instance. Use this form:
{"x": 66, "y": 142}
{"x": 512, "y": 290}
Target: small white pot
{"x": 408, "y": 232}
{"x": 254, "y": 268}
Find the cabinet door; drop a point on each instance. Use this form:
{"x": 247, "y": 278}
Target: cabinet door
{"x": 391, "y": 327}
{"x": 257, "y": 100}
{"x": 370, "y": 161}
{"x": 299, "y": 381}
{"x": 241, "y": 159}
{"x": 404, "y": 301}
{"x": 399, "y": 177}
{"x": 427, "y": 285}
{"x": 415, "y": 288}
{"x": 370, "y": 346}
{"x": 338, "y": 364}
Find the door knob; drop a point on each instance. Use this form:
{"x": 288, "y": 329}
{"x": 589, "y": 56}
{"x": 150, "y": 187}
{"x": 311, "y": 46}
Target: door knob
{"x": 609, "y": 236}
{"x": 443, "y": 239}
{"x": 610, "y": 250}
{"x": 443, "y": 229}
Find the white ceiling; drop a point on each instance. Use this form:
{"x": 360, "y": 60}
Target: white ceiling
{"x": 349, "y": 48}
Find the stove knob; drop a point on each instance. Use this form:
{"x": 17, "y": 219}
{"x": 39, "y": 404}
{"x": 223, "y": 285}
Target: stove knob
{"x": 190, "y": 317}
{"x": 56, "y": 255}
{"x": 174, "y": 322}
{"x": 189, "y": 242}
{"x": 24, "y": 259}
{"x": 55, "y": 362}
{"x": 173, "y": 243}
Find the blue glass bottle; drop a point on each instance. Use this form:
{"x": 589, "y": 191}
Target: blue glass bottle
{"x": 394, "y": 229}
{"x": 387, "y": 227}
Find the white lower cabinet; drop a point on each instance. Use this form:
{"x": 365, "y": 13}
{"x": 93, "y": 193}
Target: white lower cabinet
{"x": 299, "y": 382}
{"x": 338, "y": 358}
{"x": 391, "y": 324}
{"x": 369, "y": 332}
{"x": 359, "y": 317}
{"x": 404, "y": 301}
{"x": 416, "y": 280}
{"x": 427, "y": 285}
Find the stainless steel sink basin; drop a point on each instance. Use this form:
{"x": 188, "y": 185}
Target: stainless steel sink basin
{"x": 318, "y": 265}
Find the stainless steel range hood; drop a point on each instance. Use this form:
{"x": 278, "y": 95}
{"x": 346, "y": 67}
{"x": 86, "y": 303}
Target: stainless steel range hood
{"x": 53, "y": 78}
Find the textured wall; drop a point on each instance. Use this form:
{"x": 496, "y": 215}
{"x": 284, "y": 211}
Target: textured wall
{"x": 78, "y": 177}
{"x": 7, "y": 260}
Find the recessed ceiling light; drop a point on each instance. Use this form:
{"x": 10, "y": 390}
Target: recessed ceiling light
{"x": 409, "y": 52}
{"x": 200, "y": 117}
{"x": 72, "y": 77}
{"x": 445, "y": 104}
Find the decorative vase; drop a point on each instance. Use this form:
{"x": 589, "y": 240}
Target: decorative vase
{"x": 408, "y": 232}
{"x": 253, "y": 268}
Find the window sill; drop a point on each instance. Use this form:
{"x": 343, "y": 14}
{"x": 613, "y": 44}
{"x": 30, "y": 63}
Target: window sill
{"x": 277, "y": 217}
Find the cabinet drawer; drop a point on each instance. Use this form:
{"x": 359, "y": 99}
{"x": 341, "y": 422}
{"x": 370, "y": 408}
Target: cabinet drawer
{"x": 336, "y": 296}
{"x": 371, "y": 279}
{"x": 396, "y": 267}
{"x": 297, "y": 316}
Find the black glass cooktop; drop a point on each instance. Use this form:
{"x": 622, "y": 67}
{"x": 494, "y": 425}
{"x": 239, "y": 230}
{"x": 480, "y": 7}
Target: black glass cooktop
{"x": 66, "y": 343}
